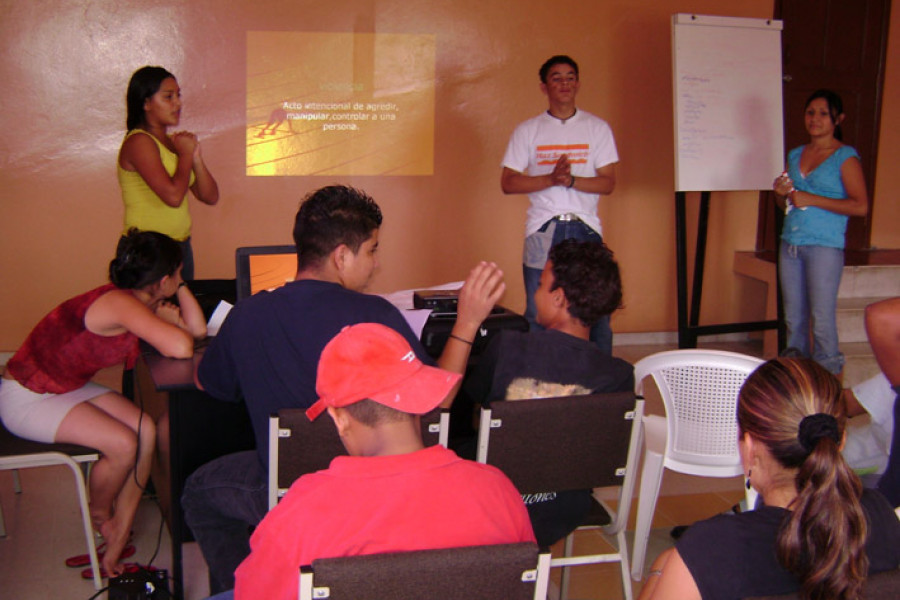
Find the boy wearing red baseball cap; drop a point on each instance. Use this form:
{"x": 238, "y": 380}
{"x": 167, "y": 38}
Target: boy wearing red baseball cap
{"x": 391, "y": 493}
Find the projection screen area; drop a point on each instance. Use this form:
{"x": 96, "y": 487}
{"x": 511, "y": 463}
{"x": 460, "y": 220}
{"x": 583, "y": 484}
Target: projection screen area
{"x": 340, "y": 103}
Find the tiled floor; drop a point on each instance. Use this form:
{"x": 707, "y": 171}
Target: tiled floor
{"x": 44, "y": 527}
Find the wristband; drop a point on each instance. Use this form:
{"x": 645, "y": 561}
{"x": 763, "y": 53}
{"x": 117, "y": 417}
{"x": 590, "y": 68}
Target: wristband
{"x": 182, "y": 284}
{"x": 456, "y": 337}
{"x": 571, "y": 183}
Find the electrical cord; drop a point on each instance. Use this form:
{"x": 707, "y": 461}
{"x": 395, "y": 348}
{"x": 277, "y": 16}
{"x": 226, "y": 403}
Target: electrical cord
{"x": 144, "y": 569}
{"x": 137, "y": 449}
{"x": 162, "y": 521}
{"x": 100, "y": 591}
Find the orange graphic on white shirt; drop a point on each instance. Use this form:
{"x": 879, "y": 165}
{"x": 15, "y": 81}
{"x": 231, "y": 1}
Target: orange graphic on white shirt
{"x": 549, "y": 154}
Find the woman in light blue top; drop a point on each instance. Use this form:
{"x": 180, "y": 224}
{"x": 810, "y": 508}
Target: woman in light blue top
{"x": 822, "y": 187}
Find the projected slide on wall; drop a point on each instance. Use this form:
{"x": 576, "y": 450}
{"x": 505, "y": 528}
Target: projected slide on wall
{"x": 340, "y": 103}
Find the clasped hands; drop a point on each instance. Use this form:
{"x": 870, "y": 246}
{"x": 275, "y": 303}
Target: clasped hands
{"x": 784, "y": 187}
{"x": 169, "y": 312}
{"x": 186, "y": 143}
{"x": 562, "y": 171}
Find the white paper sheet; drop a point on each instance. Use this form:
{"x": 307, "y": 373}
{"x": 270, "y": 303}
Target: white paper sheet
{"x": 218, "y": 317}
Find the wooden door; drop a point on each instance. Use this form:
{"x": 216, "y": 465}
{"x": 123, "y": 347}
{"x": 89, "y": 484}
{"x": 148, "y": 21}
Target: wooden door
{"x": 839, "y": 45}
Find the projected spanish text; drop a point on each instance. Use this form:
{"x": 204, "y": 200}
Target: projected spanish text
{"x": 340, "y": 104}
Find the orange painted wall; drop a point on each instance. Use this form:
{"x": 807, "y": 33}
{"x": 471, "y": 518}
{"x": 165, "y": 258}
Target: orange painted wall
{"x": 65, "y": 66}
{"x": 886, "y": 216}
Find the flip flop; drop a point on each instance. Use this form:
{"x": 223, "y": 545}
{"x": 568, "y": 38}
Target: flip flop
{"x": 129, "y": 568}
{"x": 83, "y": 560}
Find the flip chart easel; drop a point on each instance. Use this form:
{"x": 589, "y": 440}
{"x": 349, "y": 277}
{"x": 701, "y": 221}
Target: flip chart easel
{"x": 726, "y": 83}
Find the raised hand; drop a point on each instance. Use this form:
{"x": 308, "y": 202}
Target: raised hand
{"x": 483, "y": 288}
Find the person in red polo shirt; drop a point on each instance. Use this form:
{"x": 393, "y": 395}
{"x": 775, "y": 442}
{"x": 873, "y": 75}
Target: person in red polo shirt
{"x": 391, "y": 493}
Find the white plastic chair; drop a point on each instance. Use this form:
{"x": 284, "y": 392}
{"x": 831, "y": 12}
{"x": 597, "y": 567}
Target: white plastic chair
{"x": 698, "y": 435}
{"x": 17, "y": 453}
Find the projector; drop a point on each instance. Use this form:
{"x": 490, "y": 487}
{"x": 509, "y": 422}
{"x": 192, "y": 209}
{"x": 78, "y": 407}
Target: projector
{"x": 441, "y": 302}
{"x": 142, "y": 585}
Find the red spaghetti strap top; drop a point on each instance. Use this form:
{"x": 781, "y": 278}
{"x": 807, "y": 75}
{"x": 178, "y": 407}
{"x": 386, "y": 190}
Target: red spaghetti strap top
{"x": 61, "y": 355}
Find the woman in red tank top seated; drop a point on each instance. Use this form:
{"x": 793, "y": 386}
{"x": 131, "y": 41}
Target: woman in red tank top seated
{"x": 46, "y": 393}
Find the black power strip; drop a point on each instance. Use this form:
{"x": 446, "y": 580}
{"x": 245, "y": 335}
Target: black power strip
{"x": 143, "y": 585}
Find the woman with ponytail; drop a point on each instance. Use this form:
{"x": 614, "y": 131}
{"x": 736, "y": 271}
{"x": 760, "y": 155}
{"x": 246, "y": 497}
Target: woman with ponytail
{"x": 818, "y": 534}
{"x": 46, "y": 394}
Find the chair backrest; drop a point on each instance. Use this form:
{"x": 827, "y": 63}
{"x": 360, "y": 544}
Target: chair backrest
{"x": 563, "y": 443}
{"x": 699, "y": 389}
{"x": 298, "y": 446}
{"x": 509, "y": 571}
{"x": 880, "y": 586}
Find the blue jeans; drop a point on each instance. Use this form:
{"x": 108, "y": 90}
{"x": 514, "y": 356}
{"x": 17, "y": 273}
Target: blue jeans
{"x": 810, "y": 277}
{"x": 229, "y": 595}
{"x": 222, "y": 500}
{"x": 537, "y": 247}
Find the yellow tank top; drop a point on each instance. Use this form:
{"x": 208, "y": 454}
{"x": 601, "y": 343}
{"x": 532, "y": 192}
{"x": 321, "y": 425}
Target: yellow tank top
{"x": 143, "y": 208}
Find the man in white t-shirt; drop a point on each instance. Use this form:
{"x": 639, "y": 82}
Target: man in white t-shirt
{"x": 564, "y": 159}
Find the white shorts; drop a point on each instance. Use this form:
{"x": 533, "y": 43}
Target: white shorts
{"x": 35, "y": 416}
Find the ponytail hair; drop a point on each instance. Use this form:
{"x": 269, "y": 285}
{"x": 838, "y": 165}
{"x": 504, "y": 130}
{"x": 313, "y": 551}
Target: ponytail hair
{"x": 797, "y": 410}
{"x": 143, "y": 258}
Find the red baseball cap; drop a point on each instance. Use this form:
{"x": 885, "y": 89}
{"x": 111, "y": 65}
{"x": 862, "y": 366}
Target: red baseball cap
{"x": 372, "y": 361}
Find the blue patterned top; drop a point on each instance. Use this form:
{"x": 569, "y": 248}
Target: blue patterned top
{"x": 816, "y": 226}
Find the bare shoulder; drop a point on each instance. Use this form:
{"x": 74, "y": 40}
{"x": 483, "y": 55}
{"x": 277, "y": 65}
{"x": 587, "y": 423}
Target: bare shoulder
{"x": 138, "y": 138}
{"x": 109, "y": 313}
{"x": 117, "y": 296}
{"x": 139, "y": 143}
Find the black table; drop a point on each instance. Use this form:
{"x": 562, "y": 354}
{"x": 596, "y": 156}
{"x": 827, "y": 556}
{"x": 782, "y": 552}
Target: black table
{"x": 201, "y": 428}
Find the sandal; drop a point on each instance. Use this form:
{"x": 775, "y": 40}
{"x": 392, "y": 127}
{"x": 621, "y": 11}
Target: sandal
{"x": 129, "y": 568}
{"x": 84, "y": 560}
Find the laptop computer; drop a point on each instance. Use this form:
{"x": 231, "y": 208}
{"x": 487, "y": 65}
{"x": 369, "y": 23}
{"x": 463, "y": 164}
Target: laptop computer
{"x": 259, "y": 268}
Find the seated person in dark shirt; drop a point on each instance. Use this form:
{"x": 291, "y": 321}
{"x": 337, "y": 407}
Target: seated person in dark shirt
{"x": 579, "y": 284}
{"x": 267, "y": 350}
{"x": 819, "y": 533}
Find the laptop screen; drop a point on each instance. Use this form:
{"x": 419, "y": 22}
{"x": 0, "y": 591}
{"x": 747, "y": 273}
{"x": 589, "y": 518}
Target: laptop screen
{"x": 259, "y": 268}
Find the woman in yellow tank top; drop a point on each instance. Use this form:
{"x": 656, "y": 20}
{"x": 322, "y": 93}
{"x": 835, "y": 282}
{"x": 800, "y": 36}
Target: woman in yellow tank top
{"x": 155, "y": 169}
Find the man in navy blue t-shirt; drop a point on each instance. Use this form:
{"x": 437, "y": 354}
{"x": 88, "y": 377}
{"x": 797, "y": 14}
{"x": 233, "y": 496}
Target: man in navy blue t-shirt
{"x": 269, "y": 345}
